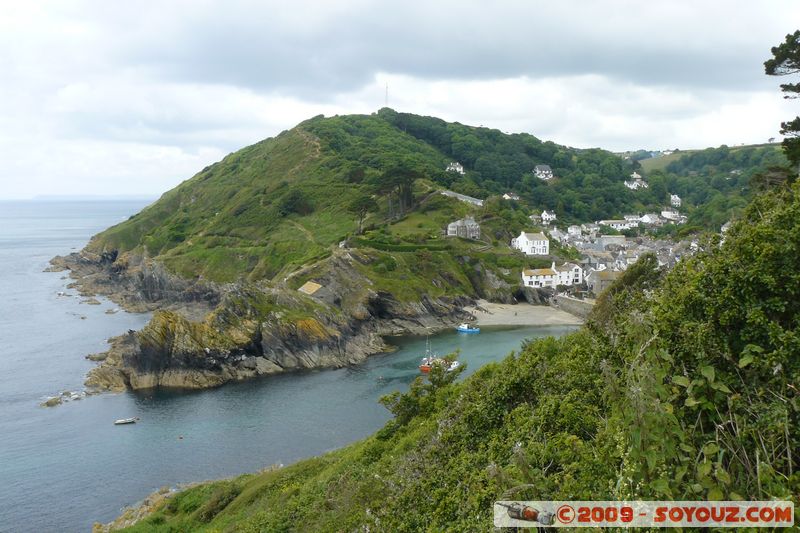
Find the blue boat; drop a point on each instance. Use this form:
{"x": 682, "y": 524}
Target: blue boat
{"x": 466, "y": 328}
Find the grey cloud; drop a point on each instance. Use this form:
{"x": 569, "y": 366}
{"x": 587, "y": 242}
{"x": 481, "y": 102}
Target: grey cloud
{"x": 253, "y": 46}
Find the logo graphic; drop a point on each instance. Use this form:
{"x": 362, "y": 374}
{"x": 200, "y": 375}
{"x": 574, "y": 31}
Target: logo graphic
{"x": 614, "y": 514}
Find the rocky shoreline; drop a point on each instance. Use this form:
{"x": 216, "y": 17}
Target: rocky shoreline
{"x": 204, "y": 334}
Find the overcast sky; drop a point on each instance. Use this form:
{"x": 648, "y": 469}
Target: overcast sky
{"x": 117, "y": 98}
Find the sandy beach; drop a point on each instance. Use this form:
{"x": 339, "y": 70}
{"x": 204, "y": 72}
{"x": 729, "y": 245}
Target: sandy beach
{"x": 522, "y": 314}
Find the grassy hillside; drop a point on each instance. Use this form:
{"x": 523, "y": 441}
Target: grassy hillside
{"x": 684, "y": 385}
{"x": 264, "y": 211}
{"x": 716, "y": 183}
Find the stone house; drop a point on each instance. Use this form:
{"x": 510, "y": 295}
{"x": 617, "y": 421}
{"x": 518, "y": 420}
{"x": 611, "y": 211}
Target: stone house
{"x": 466, "y": 228}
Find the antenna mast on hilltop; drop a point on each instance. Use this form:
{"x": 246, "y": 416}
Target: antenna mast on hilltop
{"x": 386, "y": 102}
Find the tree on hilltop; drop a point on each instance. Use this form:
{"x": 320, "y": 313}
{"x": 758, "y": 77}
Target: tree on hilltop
{"x": 360, "y": 206}
{"x": 785, "y": 61}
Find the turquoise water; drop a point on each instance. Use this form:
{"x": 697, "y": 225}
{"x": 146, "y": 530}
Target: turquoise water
{"x": 61, "y": 469}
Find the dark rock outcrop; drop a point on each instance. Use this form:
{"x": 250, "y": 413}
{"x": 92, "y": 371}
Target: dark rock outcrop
{"x": 252, "y": 329}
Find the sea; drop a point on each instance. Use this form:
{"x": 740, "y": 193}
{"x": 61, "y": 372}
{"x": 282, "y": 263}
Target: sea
{"x": 63, "y": 468}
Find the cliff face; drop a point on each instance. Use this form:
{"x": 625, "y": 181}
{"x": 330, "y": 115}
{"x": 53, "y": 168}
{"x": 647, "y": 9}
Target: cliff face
{"x": 137, "y": 283}
{"x": 204, "y": 334}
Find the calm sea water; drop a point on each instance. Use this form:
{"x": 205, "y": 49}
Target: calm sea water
{"x": 63, "y": 468}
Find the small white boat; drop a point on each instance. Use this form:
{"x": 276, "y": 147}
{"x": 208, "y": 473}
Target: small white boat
{"x": 122, "y": 421}
{"x": 466, "y": 328}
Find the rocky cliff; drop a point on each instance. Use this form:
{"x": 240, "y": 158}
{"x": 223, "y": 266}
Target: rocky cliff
{"x": 205, "y": 334}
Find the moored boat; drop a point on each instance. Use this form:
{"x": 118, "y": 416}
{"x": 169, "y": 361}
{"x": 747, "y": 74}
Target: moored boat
{"x": 466, "y": 328}
{"x": 122, "y": 421}
{"x": 428, "y": 363}
{"x": 432, "y": 359}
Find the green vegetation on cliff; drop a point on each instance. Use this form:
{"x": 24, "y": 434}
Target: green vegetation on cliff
{"x": 683, "y": 385}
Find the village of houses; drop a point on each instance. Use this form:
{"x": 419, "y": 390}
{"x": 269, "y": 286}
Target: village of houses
{"x": 603, "y": 257}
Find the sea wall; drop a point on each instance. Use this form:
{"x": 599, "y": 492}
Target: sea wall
{"x": 573, "y": 306}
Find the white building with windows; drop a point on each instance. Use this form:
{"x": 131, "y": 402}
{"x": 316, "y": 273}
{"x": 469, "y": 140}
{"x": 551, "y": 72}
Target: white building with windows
{"x": 543, "y": 172}
{"x": 651, "y": 219}
{"x": 510, "y": 196}
{"x": 574, "y": 231}
{"x": 566, "y": 274}
{"x": 455, "y": 166}
{"x": 675, "y": 200}
{"x": 636, "y": 182}
{"x": 539, "y": 277}
{"x": 618, "y": 225}
{"x": 531, "y": 243}
{"x": 671, "y": 214}
{"x": 548, "y": 216}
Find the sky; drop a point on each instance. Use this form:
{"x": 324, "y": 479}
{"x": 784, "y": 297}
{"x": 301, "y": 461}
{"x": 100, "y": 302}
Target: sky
{"x": 131, "y": 98}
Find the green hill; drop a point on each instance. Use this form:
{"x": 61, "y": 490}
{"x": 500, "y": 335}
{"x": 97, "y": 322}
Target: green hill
{"x": 683, "y": 385}
{"x": 268, "y": 209}
{"x": 263, "y": 211}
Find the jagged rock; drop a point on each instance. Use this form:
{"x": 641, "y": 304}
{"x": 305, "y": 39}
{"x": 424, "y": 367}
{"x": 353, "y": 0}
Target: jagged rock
{"x": 52, "y": 402}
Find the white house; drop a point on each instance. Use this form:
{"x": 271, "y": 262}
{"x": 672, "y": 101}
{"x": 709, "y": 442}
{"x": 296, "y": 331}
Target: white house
{"x": 574, "y": 231}
{"x": 539, "y": 277}
{"x": 675, "y": 200}
{"x": 633, "y": 220}
{"x": 531, "y": 243}
{"x": 455, "y": 166}
{"x": 651, "y": 219}
{"x": 510, "y": 196}
{"x": 636, "y": 182}
{"x": 548, "y": 216}
{"x": 465, "y": 227}
{"x": 543, "y": 172}
{"x": 566, "y": 274}
{"x": 618, "y": 225}
{"x": 671, "y": 214}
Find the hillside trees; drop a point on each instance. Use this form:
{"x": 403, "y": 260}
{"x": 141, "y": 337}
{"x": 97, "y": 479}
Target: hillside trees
{"x": 397, "y": 183}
